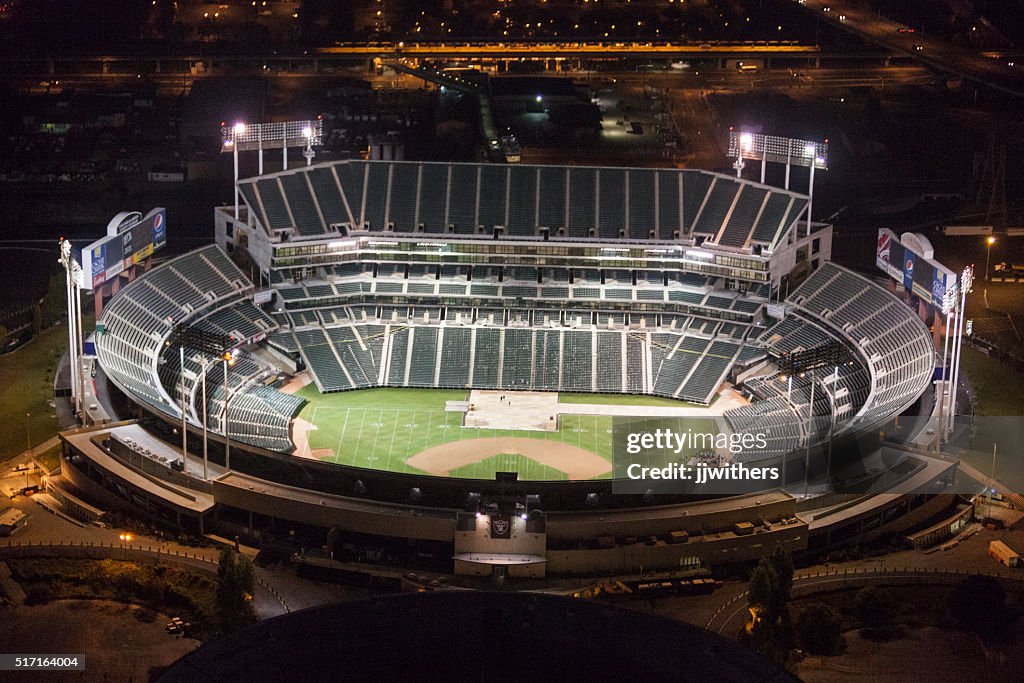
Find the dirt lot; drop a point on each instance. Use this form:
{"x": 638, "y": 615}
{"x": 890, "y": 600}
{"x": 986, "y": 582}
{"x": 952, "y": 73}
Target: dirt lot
{"x": 911, "y": 659}
{"x": 121, "y": 642}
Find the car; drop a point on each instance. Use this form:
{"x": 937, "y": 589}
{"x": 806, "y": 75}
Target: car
{"x": 826, "y": 8}
{"x": 842, "y": 17}
{"x": 905, "y": 29}
{"x": 918, "y": 48}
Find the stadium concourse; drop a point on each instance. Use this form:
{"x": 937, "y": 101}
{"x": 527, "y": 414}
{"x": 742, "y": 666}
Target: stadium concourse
{"x": 678, "y": 288}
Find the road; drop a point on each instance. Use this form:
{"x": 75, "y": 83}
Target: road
{"x": 859, "y": 19}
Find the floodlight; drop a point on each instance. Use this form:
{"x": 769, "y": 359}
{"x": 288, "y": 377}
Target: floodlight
{"x": 809, "y": 150}
{"x": 239, "y": 128}
{"x": 746, "y": 141}
{"x": 307, "y": 132}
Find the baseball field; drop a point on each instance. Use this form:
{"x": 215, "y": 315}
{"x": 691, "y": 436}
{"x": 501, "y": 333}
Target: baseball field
{"x": 418, "y": 431}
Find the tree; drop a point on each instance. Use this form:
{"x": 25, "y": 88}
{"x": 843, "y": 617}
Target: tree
{"x": 771, "y": 632}
{"x": 235, "y": 585}
{"x": 820, "y": 630}
{"x": 763, "y": 582}
{"x": 874, "y": 609}
{"x": 782, "y": 563}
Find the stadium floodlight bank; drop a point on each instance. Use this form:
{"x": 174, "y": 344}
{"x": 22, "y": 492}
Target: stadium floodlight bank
{"x": 244, "y": 137}
{"x": 779, "y": 150}
{"x": 249, "y": 137}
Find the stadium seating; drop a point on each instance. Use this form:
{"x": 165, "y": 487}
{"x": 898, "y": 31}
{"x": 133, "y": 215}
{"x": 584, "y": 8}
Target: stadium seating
{"x": 709, "y": 372}
{"x": 492, "y": 200}
{"x": 272, "y": 199}
{"x": 897, "y": 347}
{"x": 302, "y": 205}
{"x": 455, "y": 356}
{"x": 770, "y": 221}
{"x": 485, "y": 361}
{"x": 204, "y": 290}
{"x": 403, "y": 200}
{"x": 433, "y": 197}
{"x": 423, "y": 356}
{"x": 741, "y": 220}
{"x": 671, "y": 218}
{"x": 717, "y": 206}
{"x": 612, "y": 204}
{"x": 695, "y": 190}
{"x": 582, "y": 201}
{"x": 642, "y": 204}
{"x": 463, "y": 198}
{"x": 522, "y": 219}
{"x": 551, "y": 202}
{"x": 328, "y": 195}
{"x": 376, "y": 196}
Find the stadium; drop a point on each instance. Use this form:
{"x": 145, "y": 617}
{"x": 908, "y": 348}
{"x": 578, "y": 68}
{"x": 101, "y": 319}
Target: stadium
{"x": 425, "y": 364}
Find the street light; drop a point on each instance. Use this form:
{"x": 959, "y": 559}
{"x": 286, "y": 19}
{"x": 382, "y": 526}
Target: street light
{"x": 988, "y": 253}
{"x": 28, "y": 430}
{"x": 125, "y": 539}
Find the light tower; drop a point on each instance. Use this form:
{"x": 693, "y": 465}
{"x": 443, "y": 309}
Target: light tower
{"x": 948, "y": 309}
{"x": 73, "y": 283}
{"x": 307, "y": 133}
{"x": 239, "y": 130}
{"x": 746, "y": 144}
{"x": 966, "y": 282}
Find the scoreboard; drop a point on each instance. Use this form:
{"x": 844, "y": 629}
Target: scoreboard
{"x": 131, "y": 238}
{"x": 909, "y": 260}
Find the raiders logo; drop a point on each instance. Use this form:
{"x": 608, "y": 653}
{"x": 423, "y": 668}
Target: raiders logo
{"x": 500, "y": 527}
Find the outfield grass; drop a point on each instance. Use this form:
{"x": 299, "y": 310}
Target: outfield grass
{"x": 26, "y": 387}
{"x": 381, "y": 428}
{"x": 508, "y": 462}
{"x": 623, "y": 400}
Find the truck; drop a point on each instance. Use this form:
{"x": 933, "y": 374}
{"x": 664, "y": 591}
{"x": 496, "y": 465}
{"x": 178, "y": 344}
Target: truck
{"x": 1004, "y": 554}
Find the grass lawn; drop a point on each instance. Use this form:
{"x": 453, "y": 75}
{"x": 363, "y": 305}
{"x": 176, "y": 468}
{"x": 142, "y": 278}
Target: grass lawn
{"x": 622, "y": 400}
{"x": 996, "y": 386}
{"x": 26, "y": 386}
{"x": 508, "y": 462}
{"x": 381, "y": 428}
{"x": 999, "y": 407}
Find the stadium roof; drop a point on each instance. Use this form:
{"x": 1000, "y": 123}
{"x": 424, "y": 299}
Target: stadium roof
{"x": 462, "y": 635}
{"x": 523, "y": 201}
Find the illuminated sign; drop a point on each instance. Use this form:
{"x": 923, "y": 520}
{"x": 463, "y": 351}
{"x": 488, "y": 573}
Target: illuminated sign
{"x": 131, "y": 239}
